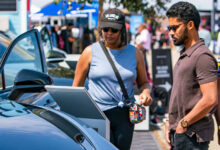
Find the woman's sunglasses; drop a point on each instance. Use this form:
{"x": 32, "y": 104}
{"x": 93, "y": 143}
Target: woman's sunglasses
{"x": 112, "y": 29}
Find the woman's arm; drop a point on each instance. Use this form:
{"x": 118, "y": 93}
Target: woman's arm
{"x": 82, "y": 67}
{"x": 142, "y": 81}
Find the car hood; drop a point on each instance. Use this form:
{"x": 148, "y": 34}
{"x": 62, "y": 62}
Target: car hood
{"x": 28, "y": 131}
{"x": 23, "y": 130}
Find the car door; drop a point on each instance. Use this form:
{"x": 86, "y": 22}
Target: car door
{"x": 25, "y": 52}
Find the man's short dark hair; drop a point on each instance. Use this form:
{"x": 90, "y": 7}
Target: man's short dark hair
{"x": 185, "y": 12}
{"x": 70, "y": 24}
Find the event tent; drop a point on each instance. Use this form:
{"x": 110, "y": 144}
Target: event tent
{"x": 73, "y": 10}
{"x": 62, "y": 9}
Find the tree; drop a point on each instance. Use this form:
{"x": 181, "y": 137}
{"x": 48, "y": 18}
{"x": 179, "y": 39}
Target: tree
{"x": 146, "y": 7}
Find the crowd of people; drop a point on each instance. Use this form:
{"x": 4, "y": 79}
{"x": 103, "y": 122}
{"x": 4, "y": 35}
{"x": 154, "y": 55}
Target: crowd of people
{"x": 70, "y": 38}
{"x": 194, "y": 94}
{"x": 74, "y": 40}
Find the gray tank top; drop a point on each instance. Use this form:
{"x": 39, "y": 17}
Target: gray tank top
{"x": 103, "y": 85}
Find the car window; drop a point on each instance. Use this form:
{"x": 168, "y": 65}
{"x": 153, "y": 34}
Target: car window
{"x": 47, "y": 45}
{"x": 24, "y": 55}
{"x": 1, "y": 86}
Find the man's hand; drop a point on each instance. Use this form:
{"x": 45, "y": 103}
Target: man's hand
{"x": 167, "y": 133}
{"x": 179, "y": 128}
{"x": 145, "y": 98}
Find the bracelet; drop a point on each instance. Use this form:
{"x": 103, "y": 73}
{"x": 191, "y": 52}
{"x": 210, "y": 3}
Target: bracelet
{"x": 219, "y": 127}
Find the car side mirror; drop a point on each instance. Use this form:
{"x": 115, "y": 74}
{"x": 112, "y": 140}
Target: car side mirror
{"x": 29, "y": 81}
{"x": 55, "y": 56}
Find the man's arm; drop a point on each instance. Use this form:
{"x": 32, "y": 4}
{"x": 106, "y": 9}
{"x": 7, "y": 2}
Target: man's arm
{"x": 217, "y": 112}
{"x": 204, "y": 105}
{"x": 71, "y": 39}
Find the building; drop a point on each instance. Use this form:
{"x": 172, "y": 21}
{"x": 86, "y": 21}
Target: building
{"x": 14, "y": 15}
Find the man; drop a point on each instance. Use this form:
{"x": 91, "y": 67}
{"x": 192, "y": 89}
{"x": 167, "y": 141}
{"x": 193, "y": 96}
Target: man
{"x": 68, "y": 38}
{"x": 205, "y": 34}
{"x": 143, "y": 40}
{"x": 143, "y": 43}
{"x": 217, "y": 112}
{"x": 217, "y": 48}
{"x": 194, "y": 92}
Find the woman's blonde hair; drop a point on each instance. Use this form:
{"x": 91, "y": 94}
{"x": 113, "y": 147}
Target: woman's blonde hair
{"x": 142, "y": 26}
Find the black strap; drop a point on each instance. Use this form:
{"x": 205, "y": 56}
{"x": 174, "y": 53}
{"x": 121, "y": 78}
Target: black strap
{"x": 118, "y": 76}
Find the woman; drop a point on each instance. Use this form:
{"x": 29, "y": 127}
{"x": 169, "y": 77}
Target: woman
{"x": 102, "y": 82}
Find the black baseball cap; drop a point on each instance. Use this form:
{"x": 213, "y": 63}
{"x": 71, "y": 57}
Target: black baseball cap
{"x": 113, "y": 18}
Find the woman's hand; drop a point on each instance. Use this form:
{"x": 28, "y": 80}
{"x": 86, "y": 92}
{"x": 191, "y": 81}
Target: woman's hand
{"x": 145, "y": 98}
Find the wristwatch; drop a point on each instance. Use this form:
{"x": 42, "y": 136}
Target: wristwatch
{"x": 184, "y": 123}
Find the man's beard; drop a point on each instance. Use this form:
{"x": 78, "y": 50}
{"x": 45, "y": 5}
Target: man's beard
{"x": 182, "y": 39}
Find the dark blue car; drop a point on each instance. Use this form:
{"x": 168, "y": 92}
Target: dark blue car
{"x": 30, "y": 118}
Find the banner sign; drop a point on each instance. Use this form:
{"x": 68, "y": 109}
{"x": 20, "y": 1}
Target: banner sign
{"x": 135, "y": 22}
{"x": 162, "y": 68}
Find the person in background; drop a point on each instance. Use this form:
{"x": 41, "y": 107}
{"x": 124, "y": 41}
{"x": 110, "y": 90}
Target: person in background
{"x": 76, "y": 44}
{"x": 217, "y": 49}
{"x": 103, "y": 85}
{"x": 194, "y": 93}
{"x": 164, "y": 39}
{"x": 143, "y": 43}
{"x": 87, "y": 38}
{"x": 68, "y": 38}
{"x": 48, "y": 26}
{"x": 54, "y": 36}
{"x": 156, "y": 37}
{"x": 205, "y": 34}
{"x": 143, "y": 40}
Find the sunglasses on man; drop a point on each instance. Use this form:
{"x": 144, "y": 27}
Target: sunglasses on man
{"x": 174, "y": 27}
{"x": 106, "y": 29}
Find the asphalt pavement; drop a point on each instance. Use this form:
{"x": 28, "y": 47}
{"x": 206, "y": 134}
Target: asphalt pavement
{"x": 144, "y": 140}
